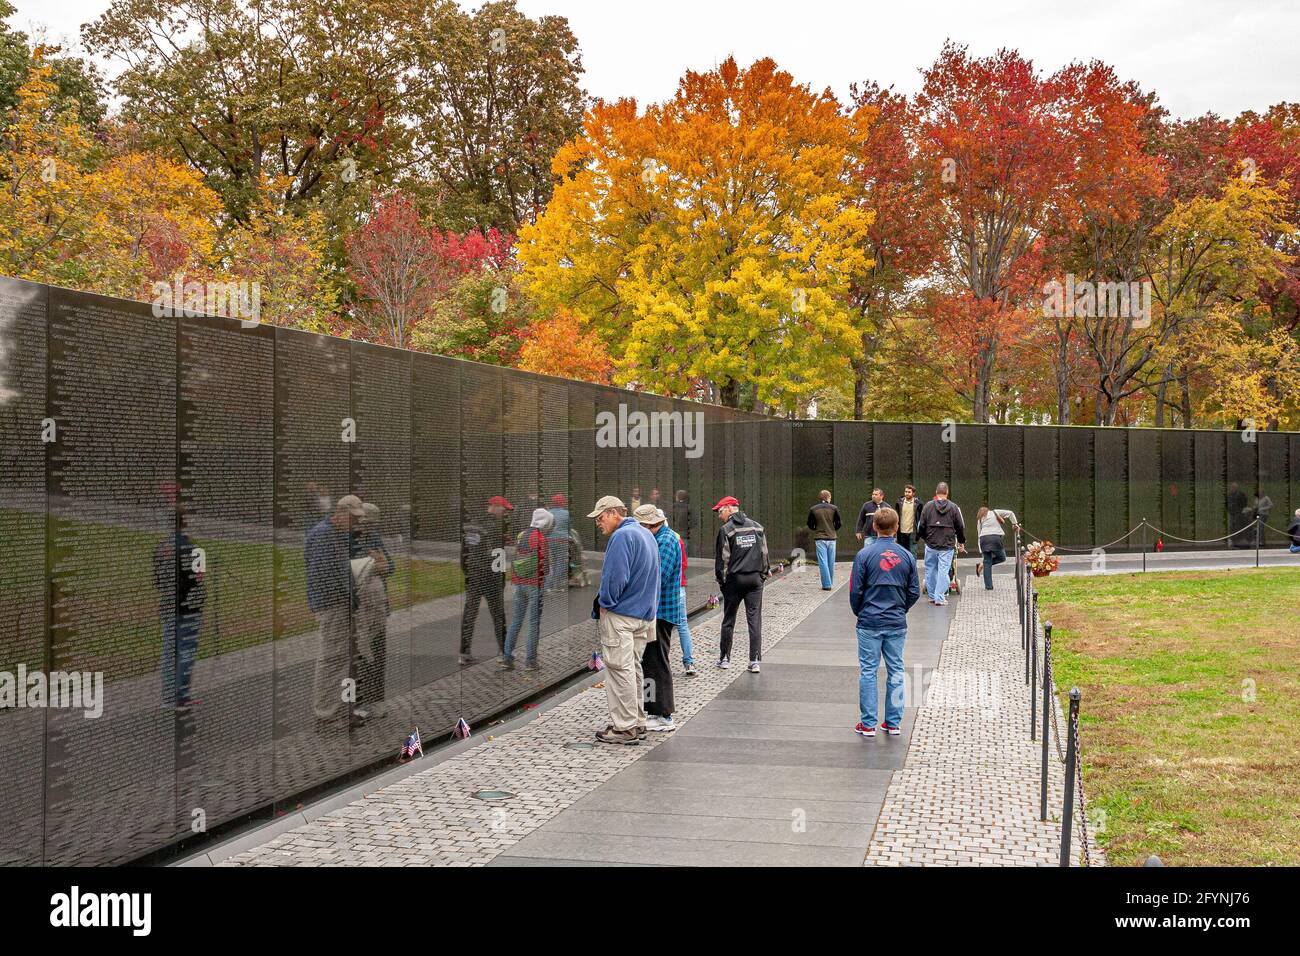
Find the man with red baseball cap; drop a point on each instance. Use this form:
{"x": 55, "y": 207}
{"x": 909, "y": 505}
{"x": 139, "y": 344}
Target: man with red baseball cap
{"x": 740, "y": 565}
{"x": 483, "y": 538}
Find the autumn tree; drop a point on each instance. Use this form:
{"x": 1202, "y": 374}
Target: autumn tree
{"x": 402, "y": 268}
{"x": 558, "y": 345}
{"x": 77, "y": 212}
{"x": 501, "y": 95}
{"x": 711, "y": 237}
{"x": 903, "y": 241}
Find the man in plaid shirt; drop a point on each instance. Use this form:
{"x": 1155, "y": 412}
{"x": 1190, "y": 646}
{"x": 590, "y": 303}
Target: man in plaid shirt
{"x": 658, "y": 675}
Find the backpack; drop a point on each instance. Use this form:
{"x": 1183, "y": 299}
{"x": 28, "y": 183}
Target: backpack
{"x": 524, "y": 566}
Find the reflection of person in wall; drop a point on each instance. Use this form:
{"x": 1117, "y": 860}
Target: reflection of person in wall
{"x": 327, "y": 558}
{"x": 528, "y": 574}
{"x": 1238, "y": 515}
{"x": 682, "y": 515}
{"x": 1263, "y": 507}
{"x": 179, "y": 579}
{"x": 372, "y": 605}
{"x": 1293, "y": 529}
{"x": 557, "y": 579}
{"x": 636, "y": 498}
{"x": 482, "y": 543}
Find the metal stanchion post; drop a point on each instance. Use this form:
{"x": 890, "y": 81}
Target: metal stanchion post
{"x": 1144, "y": 545}
{"x": 1031, "y": 613}
{"x": 1047, "y": 723}
{"x": 1071, "y": 755}
{"x": 1033, "y": 686}
{"x": 1259, "y": 533}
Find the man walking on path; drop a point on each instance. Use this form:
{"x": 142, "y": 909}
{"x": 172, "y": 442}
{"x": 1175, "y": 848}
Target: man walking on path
{"x": 824, "y": 522}
{"x": 882, "y": 587}
{"x": 864, "y": 526}
{"x": 658, "y": 674}
{"x": 1293, "y": 529}
{"x": 909, "y": 513}
{"x": 942, "y": 529}
{"x": 625, "y": 609}
{"x": 740, "y": 566}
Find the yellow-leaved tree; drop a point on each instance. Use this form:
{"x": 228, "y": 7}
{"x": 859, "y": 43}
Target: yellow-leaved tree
{"x": 713, "y": 237}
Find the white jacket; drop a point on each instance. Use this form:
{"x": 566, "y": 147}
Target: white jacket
{"x": 990, "y": 524}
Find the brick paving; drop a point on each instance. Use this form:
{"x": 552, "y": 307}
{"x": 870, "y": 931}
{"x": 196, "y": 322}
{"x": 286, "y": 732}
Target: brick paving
{"x": 968, "y": 793}
{"x": 430, "y": 819}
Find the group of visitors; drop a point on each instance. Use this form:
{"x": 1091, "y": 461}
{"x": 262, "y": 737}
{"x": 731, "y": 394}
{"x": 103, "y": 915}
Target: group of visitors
{"x": 642, "y": 600}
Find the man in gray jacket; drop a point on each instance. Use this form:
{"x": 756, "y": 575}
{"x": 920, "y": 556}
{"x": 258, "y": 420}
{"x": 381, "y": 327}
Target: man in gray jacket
{"x": 943, "y": 531}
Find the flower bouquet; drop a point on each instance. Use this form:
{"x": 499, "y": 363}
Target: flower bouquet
{"x": 1041, "y": 559}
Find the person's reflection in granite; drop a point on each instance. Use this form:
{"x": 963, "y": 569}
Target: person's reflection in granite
{"x": 330, "y": 596}
{"x": 682, "y": 515}
{"x": 1238, "y": 515}
{"x": 181, "y": 595}
{"x": 372, "y": 610}
{"x": 482, "y": 560}
{"x": 557, "y": 577}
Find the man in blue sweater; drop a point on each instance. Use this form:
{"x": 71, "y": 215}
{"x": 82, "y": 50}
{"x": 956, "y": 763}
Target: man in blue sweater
{"x": 882, "y": 589}
{"x": 625, "y": 608}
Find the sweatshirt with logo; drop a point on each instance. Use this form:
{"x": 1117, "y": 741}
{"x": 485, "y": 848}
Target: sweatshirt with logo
{"x": 883, "y": 585}
{"x": 741, "y": 548}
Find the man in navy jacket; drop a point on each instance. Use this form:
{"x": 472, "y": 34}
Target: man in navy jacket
{"x": 882, "y": 589}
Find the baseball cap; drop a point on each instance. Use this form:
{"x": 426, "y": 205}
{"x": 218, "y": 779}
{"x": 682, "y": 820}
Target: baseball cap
{"x": 724, "y": 502}
{"x": 559, "y": 500}
{"x": 353, "y": 504}
{"x": 604, "y": 504}
{"x": 649, "y": 514}
{"x": 498, "y": 500}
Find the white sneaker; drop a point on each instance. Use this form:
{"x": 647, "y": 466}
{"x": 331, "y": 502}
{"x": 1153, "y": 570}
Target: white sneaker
{"x": 659, "y": 723}
{"x": 753, "y": 667}
{"x": 724, "y": 663}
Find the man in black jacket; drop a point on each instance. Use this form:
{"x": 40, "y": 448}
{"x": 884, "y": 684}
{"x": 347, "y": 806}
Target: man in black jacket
{"x": 865, "y": 527}
{"x": 482, "y": 559}
{"x": 824, "y": 523}
{"x": 942, "y": 530}
{"x": 740, "y": 565}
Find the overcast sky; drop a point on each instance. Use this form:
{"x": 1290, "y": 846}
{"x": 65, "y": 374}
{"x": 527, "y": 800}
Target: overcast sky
{"x": 1199, "y": 55}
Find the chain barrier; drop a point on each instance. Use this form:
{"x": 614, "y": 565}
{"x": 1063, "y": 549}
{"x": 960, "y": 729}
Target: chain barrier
{"x": 1049, "y": 681}
{"x": 1163, "y": 534}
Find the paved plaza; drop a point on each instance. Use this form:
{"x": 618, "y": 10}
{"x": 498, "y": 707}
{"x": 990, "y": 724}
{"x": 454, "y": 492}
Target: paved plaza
{"x": 764, "y": 769}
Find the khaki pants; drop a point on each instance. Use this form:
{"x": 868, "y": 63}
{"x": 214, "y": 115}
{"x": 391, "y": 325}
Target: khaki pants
{"x": 623, "y": 641}
{"x": 334, "y": 662}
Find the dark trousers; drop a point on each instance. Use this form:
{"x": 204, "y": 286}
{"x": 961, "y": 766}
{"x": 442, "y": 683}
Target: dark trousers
{"x": 993, "y": 551}
{"x": 658, "y": 686}
{"x": 904, "y": 538}
{"x": 370, "y": 673}
{"x": 747, "y": 588}
{"x": 475, "y": 591}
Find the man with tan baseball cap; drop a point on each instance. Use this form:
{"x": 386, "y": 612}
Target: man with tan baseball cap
{"x": 625, "y": 608}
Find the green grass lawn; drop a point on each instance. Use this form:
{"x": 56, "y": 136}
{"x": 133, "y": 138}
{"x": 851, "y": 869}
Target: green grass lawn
{"x": 1191, "y": 710}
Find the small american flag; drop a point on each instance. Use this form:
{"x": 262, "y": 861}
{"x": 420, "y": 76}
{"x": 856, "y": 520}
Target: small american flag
{"x": 462, "y": 729}
{"x": 595, "y": 664}
{"x": 412, "y": 746}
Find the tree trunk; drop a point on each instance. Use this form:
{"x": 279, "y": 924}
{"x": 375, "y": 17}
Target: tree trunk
{"x": 861, "y": 369}
{"x": 1187, "y": 400}
{"x": 1160, "y": 403}
{"x": 729, "y": 394}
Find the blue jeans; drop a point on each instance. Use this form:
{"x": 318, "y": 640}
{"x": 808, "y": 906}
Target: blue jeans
{"x": 180, "y": 647}
{"x": 684, "y": 630}
{"x": 1294, "y": 549}
{"x": 871, "y": 643}
{"x": 937, "y": 565}
{"x": 826, "y": 561}
{"x": 993, "y": 551}
{"x": 528, "y": 597}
